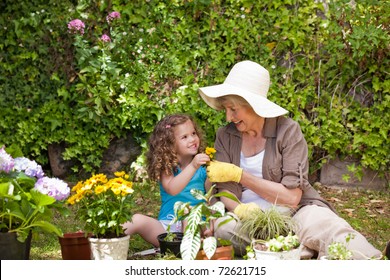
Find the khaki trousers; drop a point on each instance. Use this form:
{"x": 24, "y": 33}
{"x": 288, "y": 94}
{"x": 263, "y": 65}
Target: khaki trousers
{"x": 318, "y": 227}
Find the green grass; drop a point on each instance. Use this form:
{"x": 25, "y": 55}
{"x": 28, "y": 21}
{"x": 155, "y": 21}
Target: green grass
{"x": 367, "y": 211}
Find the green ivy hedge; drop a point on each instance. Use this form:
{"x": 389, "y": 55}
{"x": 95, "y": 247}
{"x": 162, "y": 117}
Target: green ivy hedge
{"x": 328, "y": 64}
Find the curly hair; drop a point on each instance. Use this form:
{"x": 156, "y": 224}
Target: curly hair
{"x": 161, "y": 155}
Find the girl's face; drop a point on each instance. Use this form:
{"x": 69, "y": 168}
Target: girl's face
{"x": 186, "y": 139}
{"x": 244, "y": 117}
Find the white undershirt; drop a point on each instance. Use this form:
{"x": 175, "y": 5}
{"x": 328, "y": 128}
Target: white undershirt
{"x": 254, "y": 165}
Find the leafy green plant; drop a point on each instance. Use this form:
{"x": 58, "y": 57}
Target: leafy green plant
{"x": 171, "y": 236}
{"x": 198, "y": 218}
{"x": 28, "y": 199}
{"x": 339, "y": 250}
{"x": 264, "y": 224}
{"x": 283, "y": 243}
{"x": 168, "y": 256}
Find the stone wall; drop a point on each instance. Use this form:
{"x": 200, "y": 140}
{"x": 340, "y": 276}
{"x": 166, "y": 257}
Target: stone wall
{"x": 117, "y": 157}
{"x": 332, "y": 174}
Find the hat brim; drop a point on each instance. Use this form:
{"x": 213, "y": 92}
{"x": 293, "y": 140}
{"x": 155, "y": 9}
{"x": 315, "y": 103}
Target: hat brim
{"x": 261, "y": 105}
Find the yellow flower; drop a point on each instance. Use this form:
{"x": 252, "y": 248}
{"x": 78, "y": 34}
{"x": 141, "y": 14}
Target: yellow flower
{"x": 104, "y": 210}
{"x": 116, "y": 189}
{"x": 210, "y": 151}
{"x": 71, "y": 200}
{"x": 120, "y": 174}
{"x": 100, "y": 189}
{"x": 75, "y": 198}
{"x": 78, "y": 186}
{"x": 125, "y": 190}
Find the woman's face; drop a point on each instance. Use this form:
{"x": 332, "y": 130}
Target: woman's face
{"x": 244, "y": 117}
{"x": 186, "y": 139}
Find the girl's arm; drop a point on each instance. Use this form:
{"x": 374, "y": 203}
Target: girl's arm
{"x": 173, "y": 185}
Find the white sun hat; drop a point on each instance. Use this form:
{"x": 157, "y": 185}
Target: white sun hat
{"x": 249, "y": 80}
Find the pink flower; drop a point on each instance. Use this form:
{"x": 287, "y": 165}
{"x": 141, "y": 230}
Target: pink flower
{"x": 105, "y": 38}
{"x": 6, "y": 161}
{"x": 76, "y": 26}
{"x": 113, "y": 15}
{"x": 53, "y": 187}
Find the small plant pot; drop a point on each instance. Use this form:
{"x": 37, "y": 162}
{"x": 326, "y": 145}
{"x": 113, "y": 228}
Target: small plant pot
{"x": 75, "y": 246}
{"x": 170, "y": 246}
{"x": 221, "y": 253}
{"x": 12, "y": 249}
{"x": 262, "y": 253}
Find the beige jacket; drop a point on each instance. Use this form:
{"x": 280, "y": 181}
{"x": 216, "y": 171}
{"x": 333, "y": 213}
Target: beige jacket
{"x": 285, "y": 158}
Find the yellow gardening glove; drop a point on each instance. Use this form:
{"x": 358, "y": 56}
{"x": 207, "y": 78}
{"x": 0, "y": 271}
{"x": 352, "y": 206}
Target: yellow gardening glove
{"x": 244, "y": 210}
{"x": 218, "y": 171}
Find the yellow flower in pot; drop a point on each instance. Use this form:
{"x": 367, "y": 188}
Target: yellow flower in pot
{"x": 103, "y": 205}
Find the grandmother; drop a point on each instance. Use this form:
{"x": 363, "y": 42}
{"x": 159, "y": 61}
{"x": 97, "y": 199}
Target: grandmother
{"x": 262, "y": 157}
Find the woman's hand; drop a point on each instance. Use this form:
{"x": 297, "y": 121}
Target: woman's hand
{"x": 209, "y": 231}
{"x": 218, "y": 171}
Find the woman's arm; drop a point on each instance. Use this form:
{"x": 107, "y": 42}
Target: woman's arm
{"x": 271, "y": 191}
{"x": 230, "y": 205}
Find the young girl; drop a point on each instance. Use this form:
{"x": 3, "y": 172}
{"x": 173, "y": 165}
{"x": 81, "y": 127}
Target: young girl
{"x": 175, "y": 161}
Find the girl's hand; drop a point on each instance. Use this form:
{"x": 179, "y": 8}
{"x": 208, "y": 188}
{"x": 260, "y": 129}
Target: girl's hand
{"x": 199, "y": 160}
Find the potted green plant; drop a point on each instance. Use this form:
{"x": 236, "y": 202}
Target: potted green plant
{"x": 27, "y": 201}
{"x": 103, "y": 205}
{"x": 271, "y": 232}
{"x": 197, "y": 219}
{"x": 278, "y": 248}
{"x": 170, "y": 242}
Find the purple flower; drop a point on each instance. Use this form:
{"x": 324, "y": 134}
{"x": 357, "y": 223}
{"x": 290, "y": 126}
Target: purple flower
{"x": 29, "y": 167}
{"x": 105, "y": 38}
{"x": 113, "y": 15}
{"x": 76, "y": 26}
{"x": 6, "y": 161}
{"x": 53, "y": 187}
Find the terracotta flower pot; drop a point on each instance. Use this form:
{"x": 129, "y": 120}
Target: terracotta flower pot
{"x": 75, "y": 246}
{"x": 222, "y": 253}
